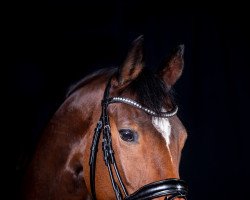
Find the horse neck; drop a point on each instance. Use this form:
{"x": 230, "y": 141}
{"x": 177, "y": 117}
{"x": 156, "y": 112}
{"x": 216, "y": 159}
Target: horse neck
{"x": 66, "y": 135}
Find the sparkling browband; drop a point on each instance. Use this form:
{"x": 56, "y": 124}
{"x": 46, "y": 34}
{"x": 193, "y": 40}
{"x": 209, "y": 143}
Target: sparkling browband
{"x": 137, "y": 105}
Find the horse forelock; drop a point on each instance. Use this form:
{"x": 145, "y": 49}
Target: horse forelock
{"x": 151, "y": 91}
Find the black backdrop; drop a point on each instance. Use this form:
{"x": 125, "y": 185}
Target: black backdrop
{"x": 54, "y": 44}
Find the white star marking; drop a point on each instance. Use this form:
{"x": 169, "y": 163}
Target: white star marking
{"x": 163, "y": 126}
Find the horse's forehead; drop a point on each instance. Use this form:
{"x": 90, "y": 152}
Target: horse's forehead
{"x": 130, "y": 116}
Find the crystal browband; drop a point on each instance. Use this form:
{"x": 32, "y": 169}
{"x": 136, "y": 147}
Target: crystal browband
{"x": 137, "y": 105}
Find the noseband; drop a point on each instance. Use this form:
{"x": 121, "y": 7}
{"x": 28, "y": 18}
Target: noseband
{"x": 169, "y": 188}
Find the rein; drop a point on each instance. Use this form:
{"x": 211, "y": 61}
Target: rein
{"x": 169, "y": 188}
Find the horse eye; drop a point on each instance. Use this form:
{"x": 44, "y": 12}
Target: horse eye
{"x": 127, "y": 135}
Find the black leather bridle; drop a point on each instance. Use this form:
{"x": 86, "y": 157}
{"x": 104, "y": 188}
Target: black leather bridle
{"x": 169, "y": 188}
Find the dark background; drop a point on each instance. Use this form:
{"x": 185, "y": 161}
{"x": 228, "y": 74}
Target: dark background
{"x": 54, "y": 44}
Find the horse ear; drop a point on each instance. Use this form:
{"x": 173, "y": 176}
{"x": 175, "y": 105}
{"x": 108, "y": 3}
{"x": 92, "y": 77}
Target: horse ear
{"x": 133, "y": 64}
{"x": 173, "y": 67}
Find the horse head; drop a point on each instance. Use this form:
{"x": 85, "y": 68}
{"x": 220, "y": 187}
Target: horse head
{"x": 142, "y": 137}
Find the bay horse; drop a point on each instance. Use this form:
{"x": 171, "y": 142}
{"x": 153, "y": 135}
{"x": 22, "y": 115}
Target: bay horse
{"x": 131, "y": 110}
